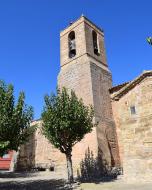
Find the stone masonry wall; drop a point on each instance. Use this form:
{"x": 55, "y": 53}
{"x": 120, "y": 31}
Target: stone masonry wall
{"x": 106, "y": 130}
{"x": 77, "y": 76}
{"x": 26, "y": 156}
{"x": 92, "y": 83}
{"x": 135, "y": 131}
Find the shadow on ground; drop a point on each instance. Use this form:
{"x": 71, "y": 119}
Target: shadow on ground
{"x": 17, "y": 174}
{"x": 35, "y": 185}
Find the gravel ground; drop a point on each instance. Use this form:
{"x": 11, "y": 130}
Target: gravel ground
{"x": 57, "y": 181}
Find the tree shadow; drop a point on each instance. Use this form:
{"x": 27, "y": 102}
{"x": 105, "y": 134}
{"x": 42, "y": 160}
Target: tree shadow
{"x": 36, "y": 185}
{"x": 8, "y": 175}
{"x": 96, "y": 170}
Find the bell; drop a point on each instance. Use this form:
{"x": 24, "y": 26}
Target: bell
{"x": 72, "y": 48}
{"x": 96, "y": 50}
{"x": 72, "y": 45}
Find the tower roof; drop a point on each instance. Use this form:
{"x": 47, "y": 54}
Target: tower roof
{"x": 81, "y": 19}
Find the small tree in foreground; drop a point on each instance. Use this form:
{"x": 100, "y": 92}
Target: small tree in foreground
{"x": 14, "y": 119}
{"x": 65, "y": 122}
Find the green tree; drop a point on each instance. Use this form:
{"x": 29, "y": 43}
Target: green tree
{"x": 149, "y": 40}
{"x": 65, "y": 122}
{"x": 15, "y": 119}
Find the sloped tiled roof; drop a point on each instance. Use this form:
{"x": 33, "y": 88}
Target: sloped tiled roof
{"x": 118, "y": 91}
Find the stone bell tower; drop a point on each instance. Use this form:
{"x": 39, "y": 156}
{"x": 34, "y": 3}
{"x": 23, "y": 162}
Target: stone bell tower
{"x": 84, "y": 69}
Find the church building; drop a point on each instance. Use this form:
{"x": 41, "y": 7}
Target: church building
{"x": 123, "y": 136}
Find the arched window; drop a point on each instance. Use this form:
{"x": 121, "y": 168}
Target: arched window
{"x": 95, "y": 42}
{"x": 72, "y": 44}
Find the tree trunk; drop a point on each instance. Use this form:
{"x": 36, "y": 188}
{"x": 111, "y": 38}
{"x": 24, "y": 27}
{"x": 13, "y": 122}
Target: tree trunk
{"x": 69, "y": 167}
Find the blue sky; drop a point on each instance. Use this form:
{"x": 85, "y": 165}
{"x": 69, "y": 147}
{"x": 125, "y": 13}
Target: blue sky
{"x": 29, "y": 40}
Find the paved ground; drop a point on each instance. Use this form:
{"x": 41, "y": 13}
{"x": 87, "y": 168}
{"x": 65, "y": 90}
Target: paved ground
{"x": 57, "y": 181}
{"x": 117, "y": 186}
{"x": 33, "y": 181}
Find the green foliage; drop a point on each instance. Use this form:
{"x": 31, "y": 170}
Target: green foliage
{"x": 93, "y": 169}
{"x": 89, "y": 168}
{"x": 14, "y": 119}
{"x": 149, "y": 40}
{"x": 66, "y": 120}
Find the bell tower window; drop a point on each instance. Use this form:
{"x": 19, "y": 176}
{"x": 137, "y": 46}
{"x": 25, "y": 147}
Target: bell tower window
{"x": 95, "y": 42}
{"x": 72, "y": 44}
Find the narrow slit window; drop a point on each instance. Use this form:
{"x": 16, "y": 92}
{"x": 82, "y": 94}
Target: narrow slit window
{"x": 95, "y": 43}
{"x": 133, "y": 110}
{"x": 72, "y": 44}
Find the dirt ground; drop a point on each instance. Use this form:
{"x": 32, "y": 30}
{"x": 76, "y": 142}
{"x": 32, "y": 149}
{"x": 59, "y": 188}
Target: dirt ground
{"x": 57, "y": 181}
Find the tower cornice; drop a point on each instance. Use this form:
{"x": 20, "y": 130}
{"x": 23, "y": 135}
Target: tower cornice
{"x": 78, "y": 22}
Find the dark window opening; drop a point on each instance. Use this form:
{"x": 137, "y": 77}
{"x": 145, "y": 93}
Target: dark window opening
{"x": 133, "y": 110}
{"x": 52, "y": 168}
{"x": 95, "y": 43}
{"x": 72, "y": 44}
